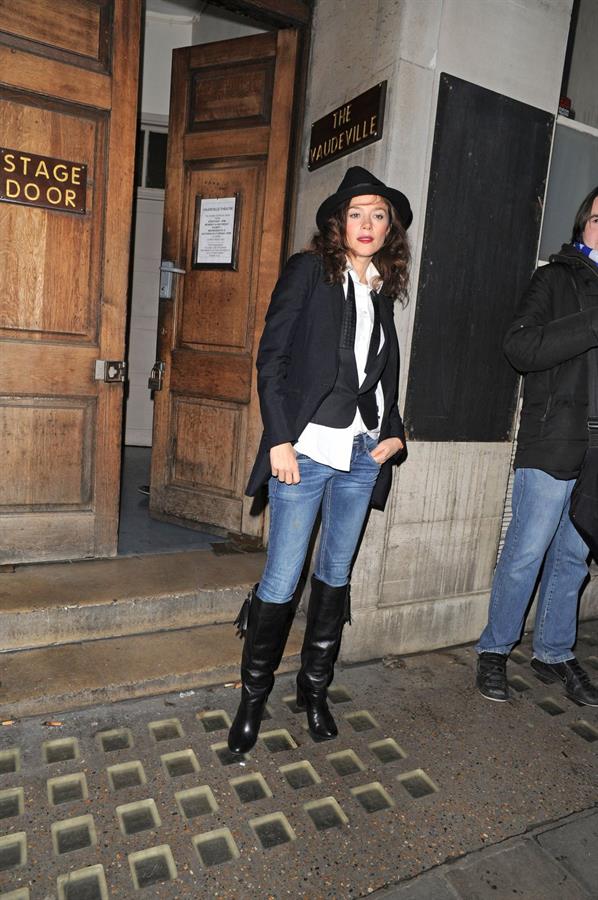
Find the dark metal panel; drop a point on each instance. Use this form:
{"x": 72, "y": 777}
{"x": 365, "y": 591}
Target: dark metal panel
{"x": 487, "y": 180}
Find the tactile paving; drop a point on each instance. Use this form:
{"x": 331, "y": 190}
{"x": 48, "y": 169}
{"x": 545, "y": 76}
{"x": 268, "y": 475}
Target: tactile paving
{"x": 145, "y": 799}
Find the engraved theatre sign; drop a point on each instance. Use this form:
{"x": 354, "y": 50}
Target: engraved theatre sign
{"x": 42, "y": 181}
{"x": 347, "y": 128}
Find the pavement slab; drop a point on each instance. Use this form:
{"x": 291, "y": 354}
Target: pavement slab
{"x": 140, "y": 798}
{"x": 575, "y": 846}
{"x": 522, "y": 870}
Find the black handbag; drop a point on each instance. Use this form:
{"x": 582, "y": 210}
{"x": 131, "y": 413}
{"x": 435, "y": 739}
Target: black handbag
{"x": 583, "y": 509}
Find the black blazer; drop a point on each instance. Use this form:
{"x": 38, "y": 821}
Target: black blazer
{"x": 297, "y": 364}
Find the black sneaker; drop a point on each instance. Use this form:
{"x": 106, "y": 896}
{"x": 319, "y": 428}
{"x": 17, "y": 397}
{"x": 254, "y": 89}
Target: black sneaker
{"x": 576, "y": 680}
{"x": 491, "y": 678}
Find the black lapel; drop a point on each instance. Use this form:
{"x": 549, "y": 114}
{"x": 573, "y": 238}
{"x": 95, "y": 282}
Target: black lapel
{"x": 337, "y": 298}
{"x": 386, "y": 316}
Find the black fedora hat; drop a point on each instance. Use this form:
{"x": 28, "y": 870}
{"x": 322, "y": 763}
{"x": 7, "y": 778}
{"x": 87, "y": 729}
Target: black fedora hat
{"x": 357, "y": 182}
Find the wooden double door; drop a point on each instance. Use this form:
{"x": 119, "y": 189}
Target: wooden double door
{"x": 68, "y": 104}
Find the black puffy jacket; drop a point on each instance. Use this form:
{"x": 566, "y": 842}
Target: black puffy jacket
{"x": 555, "y": 325}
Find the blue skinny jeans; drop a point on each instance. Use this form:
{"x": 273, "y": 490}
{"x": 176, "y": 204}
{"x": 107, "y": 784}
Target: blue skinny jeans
{"x": 344, "y": 498}
{"x": 540, "y": 531}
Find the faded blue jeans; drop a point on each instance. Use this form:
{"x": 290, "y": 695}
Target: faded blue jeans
{"x": 540, "y": 530}
{"x": 344, "y": 498}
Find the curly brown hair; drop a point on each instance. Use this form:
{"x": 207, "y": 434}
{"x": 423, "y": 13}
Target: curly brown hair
{"x": 392, "y": 261}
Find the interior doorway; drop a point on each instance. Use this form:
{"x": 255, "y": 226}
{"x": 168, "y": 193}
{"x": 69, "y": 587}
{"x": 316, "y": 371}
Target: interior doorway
{"x": 168, "y": 25}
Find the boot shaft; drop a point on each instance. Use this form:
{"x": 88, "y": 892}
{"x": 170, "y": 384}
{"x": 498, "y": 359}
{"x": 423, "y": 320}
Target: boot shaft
{"x": 268, "y": 626}
{"x": 326, "y": 615}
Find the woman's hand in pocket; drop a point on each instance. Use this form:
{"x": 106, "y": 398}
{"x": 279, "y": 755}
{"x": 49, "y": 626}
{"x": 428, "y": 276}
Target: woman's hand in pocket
{"x": 383, "y": 451}
{"x": 284, "y": 465}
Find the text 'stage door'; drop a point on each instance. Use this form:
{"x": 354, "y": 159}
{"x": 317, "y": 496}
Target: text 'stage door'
{"x": 230, "y": 118}
{"x": 68, "y": 94}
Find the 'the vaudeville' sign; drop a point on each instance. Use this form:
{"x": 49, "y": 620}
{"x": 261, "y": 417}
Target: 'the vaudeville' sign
{"x": 42, "y": 181}
{"x": 353, "y": 125}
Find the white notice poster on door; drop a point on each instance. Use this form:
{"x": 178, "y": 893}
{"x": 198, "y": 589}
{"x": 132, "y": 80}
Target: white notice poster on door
{"x": 215, "y": 231}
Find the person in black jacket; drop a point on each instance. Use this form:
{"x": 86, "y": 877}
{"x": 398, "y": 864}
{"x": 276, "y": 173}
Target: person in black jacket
{"x": 555, "y": 326}
{"x": 328, "y": 365}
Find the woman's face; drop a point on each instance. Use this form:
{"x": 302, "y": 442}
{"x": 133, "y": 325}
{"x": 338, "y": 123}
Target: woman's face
{"x": 590, "y": 232}
{"x": 367, "y": 225}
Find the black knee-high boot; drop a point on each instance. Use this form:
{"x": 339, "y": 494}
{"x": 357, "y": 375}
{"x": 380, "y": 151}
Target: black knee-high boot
{"x": 266, "y": 627}
{"x": 327, "y": 612}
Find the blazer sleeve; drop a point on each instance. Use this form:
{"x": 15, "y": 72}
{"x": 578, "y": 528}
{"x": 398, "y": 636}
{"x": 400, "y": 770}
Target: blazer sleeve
{"x": 395, "y": 422}
{"x": 293, "y": 289}
{"x": 536, "y": 341}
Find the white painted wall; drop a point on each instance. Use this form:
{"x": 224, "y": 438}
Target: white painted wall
{"x": 424, "y": 571}
{"x": 218, "y": 25}
{"x": 144, "y": 317}
{"x": 163, "y": 34}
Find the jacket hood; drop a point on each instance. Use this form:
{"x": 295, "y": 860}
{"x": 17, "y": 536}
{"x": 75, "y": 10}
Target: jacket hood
{"x": 569, "y": 255}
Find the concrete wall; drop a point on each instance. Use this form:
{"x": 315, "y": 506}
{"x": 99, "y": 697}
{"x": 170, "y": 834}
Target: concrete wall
{"x": 424, "y": 571}
{"x": 583, "y": 76}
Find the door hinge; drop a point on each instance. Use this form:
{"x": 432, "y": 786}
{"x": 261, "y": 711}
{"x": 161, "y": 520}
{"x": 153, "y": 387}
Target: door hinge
{"x": 167, "y": 270}
{"x": 156, "y": 377}
{"x": 111, "y": 370}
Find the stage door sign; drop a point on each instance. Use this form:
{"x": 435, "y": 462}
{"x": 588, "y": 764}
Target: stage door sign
{"x": 34, "y": 180}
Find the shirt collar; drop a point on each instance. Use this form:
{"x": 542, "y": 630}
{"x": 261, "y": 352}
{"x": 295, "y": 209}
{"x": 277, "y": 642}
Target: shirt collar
{"x": 372, "y": 276}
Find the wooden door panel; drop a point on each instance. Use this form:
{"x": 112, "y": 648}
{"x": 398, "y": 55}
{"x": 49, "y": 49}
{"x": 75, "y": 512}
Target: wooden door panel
{"x": 231, "y": 381}
{"x": 205, "y": 471}
{"x": 72, "y": 26}
{"x": 75, "y": 30}
{"x": 230, "y": 125}
{"x": 59, "y": 243}
{"x": 218, "y": 303}
{"x": 32, "y": 73}
{"x": 236, "y": 96}
{"x": 226, "y": 144}
{"x": 199, "y": 427}
{"x": 58, "y": 475}
{"x": 74, "y": 533}
{"x": 68, "y": 93}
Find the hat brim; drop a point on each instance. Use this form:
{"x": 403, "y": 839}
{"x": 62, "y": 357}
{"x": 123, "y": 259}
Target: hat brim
{"x": 398, "y": 200}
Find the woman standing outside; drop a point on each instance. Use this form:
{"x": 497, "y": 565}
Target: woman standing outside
{"x": 328, "y": 365}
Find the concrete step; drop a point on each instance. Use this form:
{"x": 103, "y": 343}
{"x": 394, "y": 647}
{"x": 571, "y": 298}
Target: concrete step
{"x": 71, "y": 676}
{"x": 57, "y": 603}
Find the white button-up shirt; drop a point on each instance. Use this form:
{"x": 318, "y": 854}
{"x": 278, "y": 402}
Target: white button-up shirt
{"x": 333, "y": 446}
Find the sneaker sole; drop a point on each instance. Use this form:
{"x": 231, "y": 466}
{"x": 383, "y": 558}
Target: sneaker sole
{"x": 579, "y": 702}
{"x": 554, "y": 679}
{"x": 494, "y": 699}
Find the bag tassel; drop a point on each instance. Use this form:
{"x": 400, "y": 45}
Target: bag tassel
{"x": 242, "y": 619}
